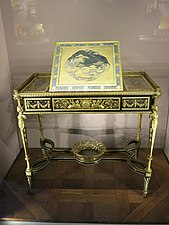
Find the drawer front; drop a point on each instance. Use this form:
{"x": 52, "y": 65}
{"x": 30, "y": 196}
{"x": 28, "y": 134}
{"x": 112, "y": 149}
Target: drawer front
{"x": 135, "y": 103}
{"x": 86, "y": 104}
{"x": 37, "y": 104}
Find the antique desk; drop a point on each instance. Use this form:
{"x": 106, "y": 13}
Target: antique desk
{"x": 138, "y": 97}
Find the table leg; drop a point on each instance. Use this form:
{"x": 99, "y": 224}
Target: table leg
{"x": 41, "y": 133}
{"x": 139, "y": 127}
{"x": 152, "y": 133}
{"x": 138, "y": 132}
{"x": 22, "y": 127}
{"x": 40, "y": 126}
{"x": 47, "y": 145}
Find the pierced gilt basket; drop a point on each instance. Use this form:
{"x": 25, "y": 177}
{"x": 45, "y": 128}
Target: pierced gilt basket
{"x": 88, "y": 151}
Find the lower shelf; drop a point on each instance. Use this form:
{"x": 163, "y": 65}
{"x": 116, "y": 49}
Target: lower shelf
{"x": 129, "y": 154}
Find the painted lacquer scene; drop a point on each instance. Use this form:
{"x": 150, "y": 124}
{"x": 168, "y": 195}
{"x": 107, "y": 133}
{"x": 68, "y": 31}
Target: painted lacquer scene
{"x": 86, "y": 65}
{"x": 89, "y": 66}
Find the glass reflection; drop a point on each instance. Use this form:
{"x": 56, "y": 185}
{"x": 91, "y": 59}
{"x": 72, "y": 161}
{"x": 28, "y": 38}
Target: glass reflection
{"x": 17, "y": 5}
{"x": 152, "y": 6}
{"x": 163, "y": 27}
{"x": 157, "y": 19}
{"x": 27, "y": 24}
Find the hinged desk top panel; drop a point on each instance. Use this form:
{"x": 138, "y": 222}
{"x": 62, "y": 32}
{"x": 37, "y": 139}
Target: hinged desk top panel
{"x": 138, "y": 95}
{"x": 86, "y": 66}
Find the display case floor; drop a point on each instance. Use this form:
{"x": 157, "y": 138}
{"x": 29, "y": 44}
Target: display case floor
{"x": 67, "y": 191}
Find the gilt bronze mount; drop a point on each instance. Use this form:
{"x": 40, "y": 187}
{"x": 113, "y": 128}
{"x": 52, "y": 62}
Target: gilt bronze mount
{"x": 88, "y": 151}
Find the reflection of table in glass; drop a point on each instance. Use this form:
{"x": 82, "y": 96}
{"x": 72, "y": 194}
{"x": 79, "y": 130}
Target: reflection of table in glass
{"x": 139, "y": 96}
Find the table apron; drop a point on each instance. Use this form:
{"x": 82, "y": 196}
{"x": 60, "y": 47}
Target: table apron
{"x": 87, "y": 104}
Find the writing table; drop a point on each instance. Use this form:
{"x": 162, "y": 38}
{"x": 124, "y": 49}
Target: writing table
{"x": 139, "y": 96}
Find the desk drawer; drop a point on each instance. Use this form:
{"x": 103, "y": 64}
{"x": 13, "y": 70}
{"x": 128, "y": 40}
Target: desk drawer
{"x": 86, "y": 104}
{"x": 37, "y": 104}
{"x": 135, "y": 103}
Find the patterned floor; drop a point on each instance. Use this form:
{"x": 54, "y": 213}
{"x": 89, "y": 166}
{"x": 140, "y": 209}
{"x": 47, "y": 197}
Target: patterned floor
{"x": 66, "y": 191}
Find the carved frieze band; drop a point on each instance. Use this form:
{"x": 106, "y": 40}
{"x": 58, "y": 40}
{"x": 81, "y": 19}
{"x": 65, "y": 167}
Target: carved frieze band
{"x": 77, "y": 104}
{"x": 36, "y": 104}
{"x": 86, "y": 104}
{"x": 140, "y": 103}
